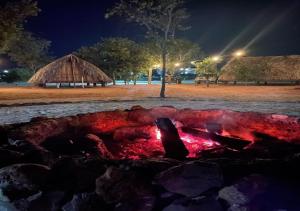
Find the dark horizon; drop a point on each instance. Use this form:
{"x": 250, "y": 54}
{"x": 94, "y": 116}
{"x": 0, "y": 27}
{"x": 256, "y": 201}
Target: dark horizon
{"x": 270, "y": 27}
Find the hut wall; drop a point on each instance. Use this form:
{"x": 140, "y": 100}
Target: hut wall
{"x": 280, "y": 68}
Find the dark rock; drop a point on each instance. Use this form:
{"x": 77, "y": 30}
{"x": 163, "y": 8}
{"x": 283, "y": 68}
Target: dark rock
{"x": 19, "y": 205}
{"x": 67, "y": 174}
{"x": 9, "y": 157}
{"x": 155, "y": 166}
{"x": 192, "y": 178}
{"x": 165, "y": 198}
{"x": 173, "y": 145}
{"x": 143, "y": 203}
{"x": 21, "y": 180}
{"x": 38, "y": 156}
{"x": 220, "y": 152}
{"x": 195, "y": 204}
{"x": 85, "y": 202}
{"x": 242, "y": 192}
{"x": 62, "y": 145}
{"x": 32, "y": 153}
{"x": 48, "y": 201}
{"x": 118, "y": 185}
{"x": 9, "y": 206}
{"x": 3, "y": 135}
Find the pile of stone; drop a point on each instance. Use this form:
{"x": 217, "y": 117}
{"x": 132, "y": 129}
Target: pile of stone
{"x": 43, "y": 168}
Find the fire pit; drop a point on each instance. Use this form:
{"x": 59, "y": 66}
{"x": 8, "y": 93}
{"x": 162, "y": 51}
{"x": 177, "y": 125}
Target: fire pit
{"x": 120, "y": 149}
{"x": 133, "y": 134}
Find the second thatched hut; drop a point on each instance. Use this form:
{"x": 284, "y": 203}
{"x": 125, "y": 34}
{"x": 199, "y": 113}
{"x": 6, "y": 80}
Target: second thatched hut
{"x": 263, "y": 68}
{"x": 69, "y": 69}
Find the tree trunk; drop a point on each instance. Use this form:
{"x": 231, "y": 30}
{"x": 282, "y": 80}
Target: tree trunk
{"x": 217, "y": 80}
{"x": 134, "y": 81}
{"x": 150, "y": 76}
{"x": 114, "y": 78}
{"x": 164, "y": 61}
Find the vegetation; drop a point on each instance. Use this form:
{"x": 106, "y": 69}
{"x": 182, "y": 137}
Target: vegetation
{"x": 161, "y": 19}
{"x": 118, "y": 57}
{"x": 12, "y": 17}
{"x": 182, "y": 51}
{"x": 207, "y": 68}
{"x": 126, "y": 59}
{"x": 29, "y": 51}
{"x": 17, "y": 74}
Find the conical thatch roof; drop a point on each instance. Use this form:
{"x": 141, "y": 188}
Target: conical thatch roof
{"x": 279, "y": 68}
{"x": 69, "y": 69}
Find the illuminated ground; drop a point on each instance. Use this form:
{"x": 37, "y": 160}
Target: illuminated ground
{"x": 28, "y": 95}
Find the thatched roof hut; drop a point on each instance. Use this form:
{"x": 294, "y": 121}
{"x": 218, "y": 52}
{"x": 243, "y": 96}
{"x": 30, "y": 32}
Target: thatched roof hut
{"x": 69, "y": 69}
{"x": 275, "y": 68}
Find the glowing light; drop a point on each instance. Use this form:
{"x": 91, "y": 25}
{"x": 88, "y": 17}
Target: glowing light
{"x": 158, "y": 134}
{"x": 177, "y": 64}
{"x": 208, "y": 143}
{"x": 216, "y": 58}
{"x": 239, "y": 53}
{"x": 186, "y": 139}
{"x": 156, "y": 66}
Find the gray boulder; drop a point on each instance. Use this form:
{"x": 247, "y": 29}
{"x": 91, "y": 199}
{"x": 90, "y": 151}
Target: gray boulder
{"x": 243, "y": 191}
{"x": 84, "y": 202}
{"x": 21, "y": 180}
{"x": 192, "y": 178}
{"x": 117, "y": 185}
{"x": 195, "y": 204}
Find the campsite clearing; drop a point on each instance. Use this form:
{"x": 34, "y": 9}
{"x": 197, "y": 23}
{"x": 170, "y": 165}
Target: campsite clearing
{"x": 35, "y": 95}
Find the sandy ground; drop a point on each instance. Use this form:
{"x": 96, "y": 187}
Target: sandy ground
{"x": 32, "y": 95}
{"x": 21, "y": 104}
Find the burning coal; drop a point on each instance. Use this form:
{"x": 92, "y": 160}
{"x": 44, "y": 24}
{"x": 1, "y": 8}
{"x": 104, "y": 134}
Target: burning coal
{"x": 163, "y": 132}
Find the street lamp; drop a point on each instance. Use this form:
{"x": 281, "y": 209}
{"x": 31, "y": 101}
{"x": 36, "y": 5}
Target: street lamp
{"x": 216, "y": 58}
{"x": 177, "y": 64}
{"x": 239, "y": 53}
{"x": 156, "y": 66}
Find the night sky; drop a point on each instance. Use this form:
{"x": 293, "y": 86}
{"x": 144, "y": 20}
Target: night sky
{"x": 266, "y": 27}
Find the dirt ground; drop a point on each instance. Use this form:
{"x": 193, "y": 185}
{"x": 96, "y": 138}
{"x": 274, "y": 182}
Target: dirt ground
{"x": 34, "y": 95}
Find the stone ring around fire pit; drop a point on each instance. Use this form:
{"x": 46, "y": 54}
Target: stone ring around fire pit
{"x": 153, "y": 159}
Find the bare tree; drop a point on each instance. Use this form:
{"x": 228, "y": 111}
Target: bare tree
{"x": 161, "y": 18}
